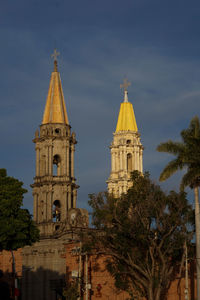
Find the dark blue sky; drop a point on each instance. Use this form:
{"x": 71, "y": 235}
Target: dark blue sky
{"x": 156, "y": 44}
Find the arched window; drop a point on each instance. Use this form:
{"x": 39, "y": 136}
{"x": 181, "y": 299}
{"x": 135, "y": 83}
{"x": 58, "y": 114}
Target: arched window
{"x": 56, "y": 211}
{"x": 56, "y": 165}
{"x": 57, "y": 131}
{"x": 129, "y": 162}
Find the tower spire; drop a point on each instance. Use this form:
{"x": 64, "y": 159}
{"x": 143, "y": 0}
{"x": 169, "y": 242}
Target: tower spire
{"x": 55, "y": 109}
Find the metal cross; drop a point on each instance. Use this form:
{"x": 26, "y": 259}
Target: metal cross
{"x": 55, "y": 54}
{"x": 125, "y": 85}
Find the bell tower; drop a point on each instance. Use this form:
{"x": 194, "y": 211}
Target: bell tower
{"x": 126, "y": 148}
{"x": 54, "y": 187}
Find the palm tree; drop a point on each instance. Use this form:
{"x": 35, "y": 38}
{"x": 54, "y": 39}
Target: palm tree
{"x": 187, "y": 155}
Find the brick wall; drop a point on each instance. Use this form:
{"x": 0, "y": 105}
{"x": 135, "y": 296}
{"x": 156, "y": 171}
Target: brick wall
{"x": 98, "y": 277}
{"x": 6, "y": 261}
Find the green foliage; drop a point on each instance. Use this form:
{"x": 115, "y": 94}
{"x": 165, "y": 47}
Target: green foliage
{"x": 17, "y": 228}
{"x": 187, "y": 155}
{"x": 144, "y": 233}
{"x": 71, "y": 292}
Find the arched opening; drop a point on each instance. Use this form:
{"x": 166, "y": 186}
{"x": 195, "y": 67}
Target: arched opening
{"x": 56, "y": 211}
{"x": 57, "y": 227}
{"x": 128, "y": 142}
{"x": 57, "y": 130}
{"x": 56, "y": 165}
{"x": 129, "y": 162}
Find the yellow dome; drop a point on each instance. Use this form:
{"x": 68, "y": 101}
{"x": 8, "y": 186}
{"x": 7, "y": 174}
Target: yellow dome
{"x": 126, "y": 119}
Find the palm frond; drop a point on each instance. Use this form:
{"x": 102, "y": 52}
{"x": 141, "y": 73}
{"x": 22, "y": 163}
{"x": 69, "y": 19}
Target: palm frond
{"x": 191, "y": 178}
{"x": 171, "y": 147}
{"x": 187, "y": 155}
{"x": 193, "y": 131}
{"x": 171, "y": 168}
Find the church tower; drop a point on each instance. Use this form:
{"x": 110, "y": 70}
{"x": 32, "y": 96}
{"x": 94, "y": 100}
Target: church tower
{"x": 54, "y": 187}
{"x": 126, "y": 148}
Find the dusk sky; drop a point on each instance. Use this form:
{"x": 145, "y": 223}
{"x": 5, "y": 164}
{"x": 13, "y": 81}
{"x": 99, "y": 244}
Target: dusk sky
{"x": 154, "y": 43}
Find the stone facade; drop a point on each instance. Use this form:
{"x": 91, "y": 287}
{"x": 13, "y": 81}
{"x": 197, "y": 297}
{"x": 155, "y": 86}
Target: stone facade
{"x": 126, "y": 156}
{"x": 54, "y": 188}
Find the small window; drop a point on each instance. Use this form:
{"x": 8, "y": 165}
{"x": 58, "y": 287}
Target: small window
{"x": 128, "y": 142}
{"x": 56, "y": 211}
{"x": 57, "y": 130}
{"x": 56, "y": 165}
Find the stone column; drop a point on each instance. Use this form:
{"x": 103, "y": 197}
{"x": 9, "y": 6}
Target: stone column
{"x": 64, "y": 203}
{"x": 72, "y": 161}
{"x": 37, "y": 171}
{"x": 112, "y": 160}
{"x": 124, "y": 160}
{"x": 69, "y": 196}
{"x": 141, "y": 161}
{"x": 74, "y": 198}
{"x": 138, "y": 160}
{"x": 45, "y": 207}
{"x": 133, "y": 162}
{"x": 67, "y": 157}
{"x": 47, "y": 160}
{"x": 51, "y": 160}
{"x": 49, "y": 206}
{"x": 120, "y": 158}
{"x": 135, "y": 158}
{"x": 35, "y": 211}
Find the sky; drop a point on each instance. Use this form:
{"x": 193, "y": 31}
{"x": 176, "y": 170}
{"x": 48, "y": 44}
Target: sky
{"x": 154, "y": 43}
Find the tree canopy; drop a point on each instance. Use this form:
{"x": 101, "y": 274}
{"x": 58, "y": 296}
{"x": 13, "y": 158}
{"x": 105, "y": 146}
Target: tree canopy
{"x": 17, "y": 228}
{"x": 143, "y": 235}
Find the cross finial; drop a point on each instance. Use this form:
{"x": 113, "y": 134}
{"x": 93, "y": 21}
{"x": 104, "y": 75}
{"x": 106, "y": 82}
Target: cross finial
{"x": 125, "y": 86}
{"x": 54, "y": 55}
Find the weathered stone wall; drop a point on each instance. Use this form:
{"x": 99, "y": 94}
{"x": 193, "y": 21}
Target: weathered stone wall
{"x": 43, "y": 269}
